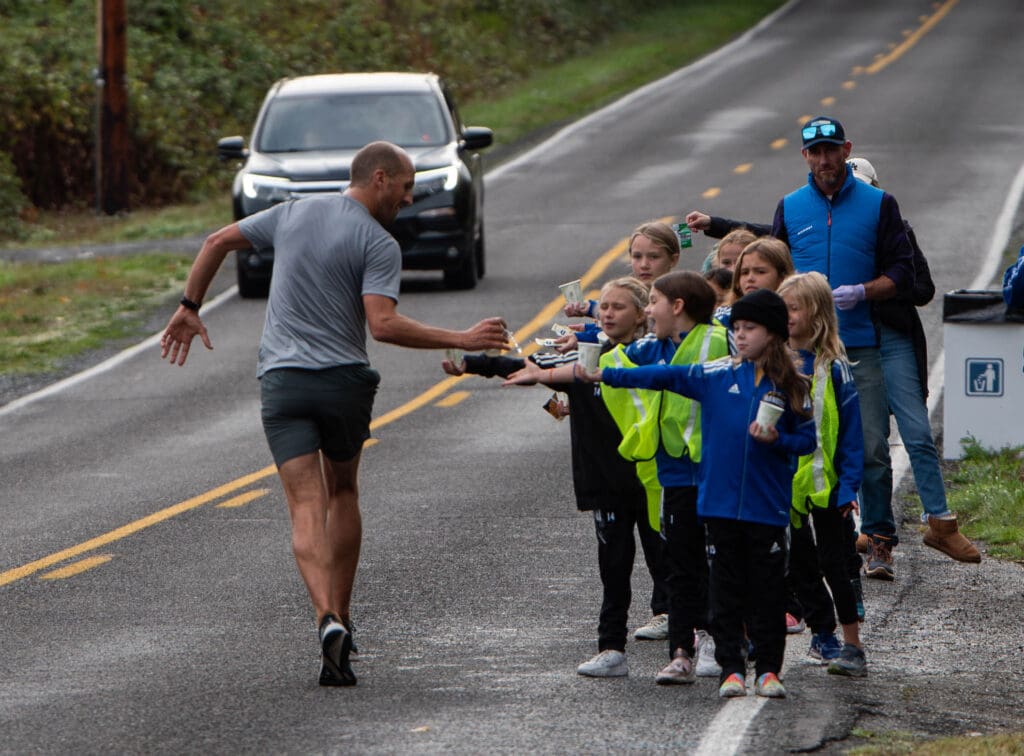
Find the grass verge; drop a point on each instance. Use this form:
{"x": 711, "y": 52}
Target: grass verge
{"x": 52, "y": 312}
{"x": 908, "y": 744}
{"x": 986, "y": 490}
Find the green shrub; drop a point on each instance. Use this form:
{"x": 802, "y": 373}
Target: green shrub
{"x": 198, "y": 70}
{"x": 12, "y": 201}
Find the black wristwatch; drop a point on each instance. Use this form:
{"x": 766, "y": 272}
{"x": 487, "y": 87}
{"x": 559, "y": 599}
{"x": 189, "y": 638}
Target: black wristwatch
{"x": 186, "y": 302}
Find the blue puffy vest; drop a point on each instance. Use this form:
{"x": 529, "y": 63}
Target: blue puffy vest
{"x": 838, "y": 239}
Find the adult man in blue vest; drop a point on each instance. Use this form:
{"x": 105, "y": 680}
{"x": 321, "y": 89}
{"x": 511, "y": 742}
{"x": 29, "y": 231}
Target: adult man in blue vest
{"x": 853, "y": 234}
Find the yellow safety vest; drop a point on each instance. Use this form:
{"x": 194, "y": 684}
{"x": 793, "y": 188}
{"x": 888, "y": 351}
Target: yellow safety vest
{"x": 627, "y": 408}
{"x": 816, "y": 473}
{"x": 672, "y": 420}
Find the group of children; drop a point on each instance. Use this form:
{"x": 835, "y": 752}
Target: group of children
{"x": 666, "y": 433}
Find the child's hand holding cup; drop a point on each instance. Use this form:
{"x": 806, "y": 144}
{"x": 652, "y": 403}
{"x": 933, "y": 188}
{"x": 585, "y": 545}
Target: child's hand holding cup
{"x": 572, "y": 291}
{"x": 770, "y": 409}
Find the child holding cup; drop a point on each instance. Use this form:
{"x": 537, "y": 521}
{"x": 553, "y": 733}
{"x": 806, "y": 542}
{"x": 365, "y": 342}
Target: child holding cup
{"x": 826, "y": 482}
{"x": 679, "y": 313}
{"x": 746, "y": 475}
{"x": 653, "y": 251}
{"x": 605, "y": 482}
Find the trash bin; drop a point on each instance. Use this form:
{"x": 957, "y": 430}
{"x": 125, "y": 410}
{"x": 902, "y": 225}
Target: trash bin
{"x": 984, "y": 392}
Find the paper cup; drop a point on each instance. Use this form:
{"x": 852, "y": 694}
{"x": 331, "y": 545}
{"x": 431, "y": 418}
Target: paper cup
{"x": 589, "y": 355}
{"x": 572, "y": 291}
{"x": 455, "y": 356}
{"x": 768, "y": 414}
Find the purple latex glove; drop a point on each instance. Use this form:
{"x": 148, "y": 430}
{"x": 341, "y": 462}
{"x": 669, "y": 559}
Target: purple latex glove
{"x": 847, "y": 297}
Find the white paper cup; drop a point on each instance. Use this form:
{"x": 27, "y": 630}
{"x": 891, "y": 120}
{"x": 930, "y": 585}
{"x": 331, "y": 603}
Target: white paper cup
{"x": 768, "y": 414}
{"x": 589, "y": 355}
{"x": 455, "y": 356}
{"x": 572, "y": 291}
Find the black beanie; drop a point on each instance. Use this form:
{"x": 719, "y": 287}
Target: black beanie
{"x": 763, "y": 306}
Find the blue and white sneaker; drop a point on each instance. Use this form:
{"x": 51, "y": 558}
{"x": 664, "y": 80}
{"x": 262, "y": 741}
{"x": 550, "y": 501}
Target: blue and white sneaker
{"x": 825, "y": 647}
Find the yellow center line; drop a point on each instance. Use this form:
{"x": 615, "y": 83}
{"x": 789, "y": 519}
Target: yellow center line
{"x": 912, "y": 39}
{"x": 242, "y": 499}
{"x": 453, "y": 398}
{"x": 124, "y": 531}
{"x": 522, "y": 336}
{"x": 76, "y": 568}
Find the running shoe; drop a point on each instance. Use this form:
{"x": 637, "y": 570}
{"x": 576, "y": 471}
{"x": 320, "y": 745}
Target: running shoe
{"x": 879, "y": 560}
{"x": 655, "y": 629}
{"x": 768, "y": 686}
{"x": 851, "y": 662}
{"x": 794, "y": 625}
{"x": 706, "y": 664}
{"x": 335, "y": 646}
{"x": 608, "y": 663}
{"x": 824, "y": 647}
{"x": 734, "y": 686}
{"x": 679, "y": 671}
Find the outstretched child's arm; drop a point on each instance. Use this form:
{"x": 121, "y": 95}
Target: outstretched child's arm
{"x": 687, "y": 380}
{"x": 532, "y": 374}
{"x": 484, "y": 365}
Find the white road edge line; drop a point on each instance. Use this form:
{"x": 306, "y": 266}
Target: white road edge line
{"x": 107, "y": 364}
{"x": 725, "y": 734}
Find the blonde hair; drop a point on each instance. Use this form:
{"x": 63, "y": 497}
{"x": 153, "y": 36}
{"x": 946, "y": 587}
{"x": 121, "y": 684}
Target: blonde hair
{"x": 638, "y": 294}
{"x": 814, "y": 295}
{"x": 660, "y": 234}
{"x": 740, "y": 236}
{"x": 774, "y": 251}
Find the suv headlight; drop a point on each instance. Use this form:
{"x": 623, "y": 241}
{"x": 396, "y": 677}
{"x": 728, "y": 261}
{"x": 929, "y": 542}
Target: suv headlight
{"x": 269, "y": 189}
{"x": 435, "y": 180}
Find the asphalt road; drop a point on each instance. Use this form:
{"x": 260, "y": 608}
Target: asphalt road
{"x": 150, "y": 601}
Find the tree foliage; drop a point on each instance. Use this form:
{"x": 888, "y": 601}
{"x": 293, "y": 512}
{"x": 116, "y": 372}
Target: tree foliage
{"x": 199, "y": 70}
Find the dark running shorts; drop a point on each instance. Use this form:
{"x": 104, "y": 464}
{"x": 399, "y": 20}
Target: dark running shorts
{"x": 308, "y": 410}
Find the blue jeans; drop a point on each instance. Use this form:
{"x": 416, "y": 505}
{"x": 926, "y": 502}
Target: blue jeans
{"x": 907, "y": 403}
{"x": 876, "y": 486}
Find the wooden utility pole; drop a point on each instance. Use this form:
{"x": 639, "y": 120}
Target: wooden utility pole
{"x": 112, "y": 143}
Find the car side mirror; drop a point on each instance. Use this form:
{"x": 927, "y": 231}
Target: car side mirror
{"x": 232, "y": 148}
{"x": 477, "y": 137}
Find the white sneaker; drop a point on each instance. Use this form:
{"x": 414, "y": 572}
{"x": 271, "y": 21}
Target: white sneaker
{"x": 655, "y": 629}
{"x": 706, "y": 664}
{"x": 608, "y": 663}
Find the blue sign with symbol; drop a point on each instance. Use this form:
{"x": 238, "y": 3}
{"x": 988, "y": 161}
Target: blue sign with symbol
{"x": 984, "y": 376}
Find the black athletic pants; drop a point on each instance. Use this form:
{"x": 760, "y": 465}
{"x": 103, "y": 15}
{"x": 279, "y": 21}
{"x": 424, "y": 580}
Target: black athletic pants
{"x": 686, "y": 567}
{"x": 616, "y": 550}
{"x": 747, "y": 586}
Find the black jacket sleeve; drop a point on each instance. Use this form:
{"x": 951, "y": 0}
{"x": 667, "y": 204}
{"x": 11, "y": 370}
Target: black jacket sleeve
{"x": 721, "y": 226}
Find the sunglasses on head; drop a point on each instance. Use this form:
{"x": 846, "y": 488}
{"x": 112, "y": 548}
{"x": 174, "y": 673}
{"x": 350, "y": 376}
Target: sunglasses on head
{"x": 820, "y": 130}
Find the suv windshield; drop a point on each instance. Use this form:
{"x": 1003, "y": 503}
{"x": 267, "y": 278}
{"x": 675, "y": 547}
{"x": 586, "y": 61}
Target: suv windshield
{"x": 349, "y": 121}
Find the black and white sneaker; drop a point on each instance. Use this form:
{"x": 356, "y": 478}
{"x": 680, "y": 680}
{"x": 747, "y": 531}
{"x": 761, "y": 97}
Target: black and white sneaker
{"x": 335, "y": 646}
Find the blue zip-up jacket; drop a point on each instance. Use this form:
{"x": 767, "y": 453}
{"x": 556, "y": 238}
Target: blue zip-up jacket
{"x": 849, "y": 456}
{"x": 741, "y": 478}
{"x": 650, "y": 350}
{"x": 852, "y": 238}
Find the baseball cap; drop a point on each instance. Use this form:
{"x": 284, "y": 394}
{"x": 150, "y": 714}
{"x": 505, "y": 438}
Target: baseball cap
{"x": 822, "y": 129}
{"x": 863, "y": 170}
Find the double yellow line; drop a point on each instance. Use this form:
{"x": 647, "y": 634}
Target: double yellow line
{"x": 523, "y": 335}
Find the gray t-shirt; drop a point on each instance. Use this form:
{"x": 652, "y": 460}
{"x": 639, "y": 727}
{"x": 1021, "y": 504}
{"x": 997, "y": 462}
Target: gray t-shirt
{"x": 328, "y": 252}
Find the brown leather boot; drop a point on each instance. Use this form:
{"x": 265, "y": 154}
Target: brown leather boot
{"x": 863, "y": 543}
{"x": 945, "y": 536}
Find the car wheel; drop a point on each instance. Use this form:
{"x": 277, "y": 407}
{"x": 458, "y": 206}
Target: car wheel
{"x": 481, "y": 267}
{"x": 465, "y": 275}
{"x": 251, "y": 288}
